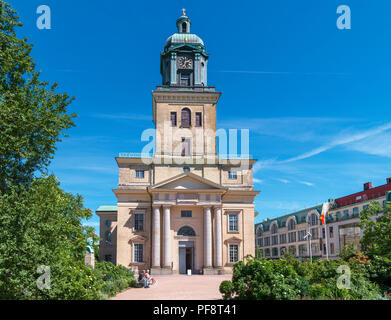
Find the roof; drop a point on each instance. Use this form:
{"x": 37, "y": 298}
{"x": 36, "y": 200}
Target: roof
{"x": 190, "y": 38}
{"x": 365, "y": 195}
{"x": 281, "y": 221}
{"x": 107, "y": 209}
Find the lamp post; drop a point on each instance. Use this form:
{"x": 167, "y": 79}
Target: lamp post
{"x": 309, "y": 236}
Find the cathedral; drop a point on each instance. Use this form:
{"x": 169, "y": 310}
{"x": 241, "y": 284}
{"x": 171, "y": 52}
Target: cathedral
{"x": 183, "y": 208}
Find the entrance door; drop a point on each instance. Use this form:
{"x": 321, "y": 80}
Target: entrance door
{"x": 185, "y": 256}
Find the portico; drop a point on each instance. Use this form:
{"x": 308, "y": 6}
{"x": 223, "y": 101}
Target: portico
{"x": 193, "y": 195}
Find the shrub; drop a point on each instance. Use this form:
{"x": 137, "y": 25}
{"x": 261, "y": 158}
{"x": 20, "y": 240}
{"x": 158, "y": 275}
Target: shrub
{"x": 226, "y": 288}
{"x": 114, "y": 278}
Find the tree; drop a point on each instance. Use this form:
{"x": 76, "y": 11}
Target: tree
{"x": 376, "y": 225}
{"x": 32, "y": 115}
{"x": 41, "y": 226}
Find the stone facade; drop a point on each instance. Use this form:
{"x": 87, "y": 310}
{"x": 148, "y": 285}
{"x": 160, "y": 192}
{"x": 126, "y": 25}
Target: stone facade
{"x": 182, "y": 207}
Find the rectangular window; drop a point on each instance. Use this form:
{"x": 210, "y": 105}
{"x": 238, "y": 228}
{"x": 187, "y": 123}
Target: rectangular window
{"x": 315, "y": 248}
{"x": 302, "y": 250}
{"x": 324, "y": 248}
{"x": 233, "y": 222}
{"x": 108, "y": 258}
{"x": 331, "y": 248}
{"x": 346, "y": 214}
{"x": 365, "y": 206}
{"x": 140, "y": 174}
{"x": 292, "y": 236}
{"x": 301, "y": 235}
{"x": 173, "y": 119}
{"x": 198, "y": 119}
{"x": 233, "y": 253}
{"x": 331, "y": 232}
{"x": 185, "y": 80}
{"x": 355, "y": 211}
{"x": 282, "y": 238}
{"x": 138, "y": 252}
{"x": 139, "y": 222}
{"x": 186, "y": 213}
{"x": 315, "y": 233}
{"x": 185, "y": 147}
{"x": 323, "y": 233}
{"x": 274, "y": 240}
{"x": 259, "y": 242}
{"x": 232, "y": 175}
{"x": 267, "y": 241}
{"x": 274, "y": 252}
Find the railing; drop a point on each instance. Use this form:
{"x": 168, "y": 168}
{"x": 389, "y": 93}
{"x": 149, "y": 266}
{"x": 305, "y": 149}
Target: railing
{"x": 181, "y": 155}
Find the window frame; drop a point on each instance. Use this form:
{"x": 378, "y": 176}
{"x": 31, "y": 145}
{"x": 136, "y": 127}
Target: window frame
{"x": 236, "y": 215}
{"x": 237, "y": 252}
{"x": 173, "y": 113}
{"x": 186, "y": 216}
{"x": 232, "y": 175}
{"x": 135, "y": 260}
{"x": 138, "y": 221}
{"x": 137, "y": 172}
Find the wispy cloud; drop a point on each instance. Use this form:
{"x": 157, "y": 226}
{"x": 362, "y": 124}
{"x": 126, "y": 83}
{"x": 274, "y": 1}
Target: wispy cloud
{"x": 343, "y": 140}
{"x": 256, "y": 180}
{"x": 283, "y": 180}
{"x": 306, "y": 183}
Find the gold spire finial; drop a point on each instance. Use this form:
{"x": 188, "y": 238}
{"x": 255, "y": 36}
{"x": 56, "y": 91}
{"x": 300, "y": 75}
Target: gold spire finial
{"x": 183, "y": 12}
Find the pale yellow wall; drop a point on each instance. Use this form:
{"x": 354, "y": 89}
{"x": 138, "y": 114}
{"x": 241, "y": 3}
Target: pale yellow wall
{"x": 163, "y": 111}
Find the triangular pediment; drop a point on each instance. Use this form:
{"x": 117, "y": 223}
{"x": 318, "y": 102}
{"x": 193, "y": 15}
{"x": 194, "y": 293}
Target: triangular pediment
{"x": 187, "y": 181}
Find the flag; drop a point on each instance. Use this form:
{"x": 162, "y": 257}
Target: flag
{"x": 325, "y": 209}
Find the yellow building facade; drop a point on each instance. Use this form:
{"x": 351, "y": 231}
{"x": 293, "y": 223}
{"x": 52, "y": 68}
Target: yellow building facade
{"x": 181, "y": 207}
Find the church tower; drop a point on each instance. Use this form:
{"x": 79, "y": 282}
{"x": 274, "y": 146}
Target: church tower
{"x": 181, "y": 207}
{"x": 184, "y": 107}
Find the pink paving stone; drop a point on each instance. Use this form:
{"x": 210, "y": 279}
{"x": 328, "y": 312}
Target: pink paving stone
{"x": 178, "y": 287}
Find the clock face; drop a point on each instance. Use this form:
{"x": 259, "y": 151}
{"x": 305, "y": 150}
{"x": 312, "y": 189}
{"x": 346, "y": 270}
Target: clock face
{"x": 185, "y": 63}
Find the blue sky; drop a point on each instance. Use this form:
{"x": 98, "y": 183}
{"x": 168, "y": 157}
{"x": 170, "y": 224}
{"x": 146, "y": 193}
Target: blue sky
{"x": 315, "y": 98}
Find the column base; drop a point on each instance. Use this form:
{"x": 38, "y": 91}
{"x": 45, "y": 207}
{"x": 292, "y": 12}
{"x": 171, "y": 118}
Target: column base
{"x": 212, "y": 271}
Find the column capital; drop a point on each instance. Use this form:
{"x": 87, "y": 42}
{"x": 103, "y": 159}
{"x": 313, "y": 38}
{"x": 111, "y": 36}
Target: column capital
{"x": 154, "y": 206}
{"x": 207, "y": 207}
{"x": 167, "y": 206}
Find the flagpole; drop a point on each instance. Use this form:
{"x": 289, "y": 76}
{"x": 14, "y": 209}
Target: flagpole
{"x": 325, "y": 210}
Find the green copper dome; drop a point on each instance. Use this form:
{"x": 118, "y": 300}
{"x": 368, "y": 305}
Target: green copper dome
{"x": 190, "y": 38}
{"x": 183, "y": 36}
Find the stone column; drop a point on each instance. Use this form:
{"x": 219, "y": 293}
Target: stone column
{"x": 166, "y": 237}
{"x": 207, "y": 238}
{"x": 156, "y": 237}
{"x": 218, "y": 237}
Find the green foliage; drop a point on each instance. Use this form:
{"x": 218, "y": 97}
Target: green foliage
{"x": 266, "y": 279}
{"x": 41, "y": 225}
{"x": 114, "y": 278}
{"x": 376, "y": 240}
{"x": 32, "y": 115}
{"x": 226, "y": 288}
{"x": 289, "y": 278}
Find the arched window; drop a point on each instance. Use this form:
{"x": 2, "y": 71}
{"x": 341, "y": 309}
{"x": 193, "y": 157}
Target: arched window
{"x": 186, "y": 231}
{"x": 314, "y": 220}
{"x": 274, "y": 228}
{"x": 186, "y": 117}
{"x": 186, "y": 169}
{"x": 291, "y": 224}
{"x": 184, "y": 27}
{"x": 108, "y": 237}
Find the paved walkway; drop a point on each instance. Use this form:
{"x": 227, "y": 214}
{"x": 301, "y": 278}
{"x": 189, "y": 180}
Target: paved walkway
{"x": 178, "y": 287}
